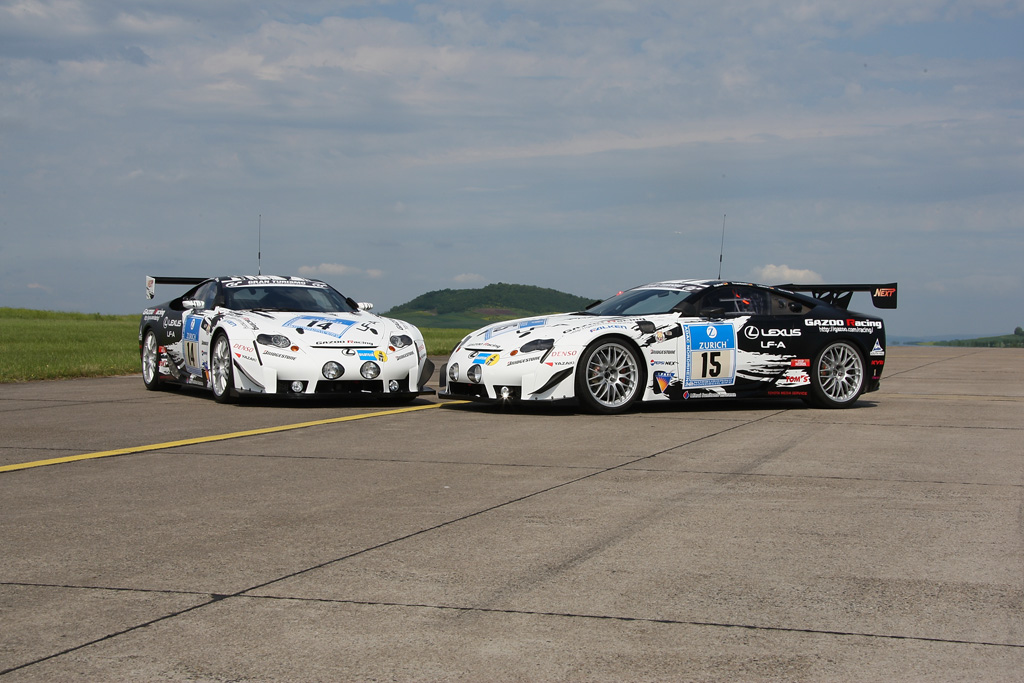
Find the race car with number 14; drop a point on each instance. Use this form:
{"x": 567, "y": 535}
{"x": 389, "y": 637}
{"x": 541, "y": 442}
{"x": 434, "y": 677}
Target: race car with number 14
{"x": 284, "y": 336}
{"x": 682, "y": 340}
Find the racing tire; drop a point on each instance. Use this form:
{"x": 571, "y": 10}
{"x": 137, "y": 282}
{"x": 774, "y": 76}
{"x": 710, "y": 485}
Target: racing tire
{"x": 609, "y": 377}
{"x": 150, "y": 361}
{"x": 837, "y": 376}
{"x": 222, "y": 374}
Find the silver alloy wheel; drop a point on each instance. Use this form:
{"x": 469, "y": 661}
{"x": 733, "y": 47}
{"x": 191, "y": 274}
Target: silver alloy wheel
{"x": 840, "y": 373}
{"x": 150, "y": 359}
{"x": 220, "y": 366}
{"x": 612, "y": 375}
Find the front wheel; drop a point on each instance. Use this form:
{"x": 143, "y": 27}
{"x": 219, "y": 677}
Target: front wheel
{"x": 609, "y": 378}
{"x": 150, "y": 361}
{"x": 837, "y": 376}
{"x": 222, "y": 374}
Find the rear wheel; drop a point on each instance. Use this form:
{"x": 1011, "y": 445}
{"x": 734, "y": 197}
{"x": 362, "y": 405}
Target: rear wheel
{"x": 150, "y": 361}
{"x": 837, "y": 377}
{"x": 609, "y": 377}
{"x": 222, "y": 374}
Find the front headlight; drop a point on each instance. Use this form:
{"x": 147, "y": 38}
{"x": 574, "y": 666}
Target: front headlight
{"x": 453, "y": 372}
{"x": 537, "y": 345}
{"x": 369, "y": 370}
{"x": 474, "y": 373}
{"x": 278, "y": 340}
{"x": 333, "y": 370}
{"x": 400, "y": 341}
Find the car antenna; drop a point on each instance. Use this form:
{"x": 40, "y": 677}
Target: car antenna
{"x": 259, "y": 248}
{"x": 721, "y": 249}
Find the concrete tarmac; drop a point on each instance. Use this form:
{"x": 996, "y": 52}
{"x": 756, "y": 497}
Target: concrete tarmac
{"x": 698, "y": 541}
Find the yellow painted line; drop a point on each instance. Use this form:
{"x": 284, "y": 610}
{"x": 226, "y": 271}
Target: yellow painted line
{"x": 217, "y": 437}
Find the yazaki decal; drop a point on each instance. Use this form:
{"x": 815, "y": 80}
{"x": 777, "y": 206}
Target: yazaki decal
{"x": 710, "y": 354}
{"x": 318, "y": 324}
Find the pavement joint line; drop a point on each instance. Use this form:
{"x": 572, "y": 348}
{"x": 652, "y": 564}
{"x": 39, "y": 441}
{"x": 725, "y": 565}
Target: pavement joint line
{"x": 651, "y": 620}
{"x": 209, "y": 439}
{"x": 958, "y": 397}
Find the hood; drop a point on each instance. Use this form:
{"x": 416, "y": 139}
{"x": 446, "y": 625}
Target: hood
{"x": 357, "y": 329}
{"x": 515, "y": 333}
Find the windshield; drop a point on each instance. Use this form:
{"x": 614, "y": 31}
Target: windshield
{"x": 286, "y": 298}
{"x": 640, "y": 302}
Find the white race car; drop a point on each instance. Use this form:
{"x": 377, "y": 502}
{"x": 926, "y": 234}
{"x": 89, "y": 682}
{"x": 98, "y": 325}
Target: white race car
{"x": 286, "y": 336}
{"x": 681, "y": 340}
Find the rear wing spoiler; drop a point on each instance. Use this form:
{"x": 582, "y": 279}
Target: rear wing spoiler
{"x": 152, "y": 282}
{"x": 882, "y": 296}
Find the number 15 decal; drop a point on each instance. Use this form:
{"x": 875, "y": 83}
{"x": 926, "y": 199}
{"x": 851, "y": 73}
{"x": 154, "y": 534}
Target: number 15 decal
{"x": 710, "y": 355}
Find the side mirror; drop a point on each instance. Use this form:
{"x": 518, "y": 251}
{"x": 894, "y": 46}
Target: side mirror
{"x": 193, "y": 303}
{"x": 365, "y": 306}
{"x": 685, "y": 309}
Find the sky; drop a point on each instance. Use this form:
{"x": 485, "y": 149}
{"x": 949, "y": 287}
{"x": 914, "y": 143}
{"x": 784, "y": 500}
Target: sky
{"x": 394, "y": 148}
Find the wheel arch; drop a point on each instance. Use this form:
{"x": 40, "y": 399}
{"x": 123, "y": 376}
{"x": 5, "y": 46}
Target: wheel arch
{"x": 638, "y": 355}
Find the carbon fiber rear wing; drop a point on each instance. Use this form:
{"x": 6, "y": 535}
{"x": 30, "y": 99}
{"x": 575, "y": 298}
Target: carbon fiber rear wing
{"x": 882, "y": 296}
{"x": 152, "y": 282}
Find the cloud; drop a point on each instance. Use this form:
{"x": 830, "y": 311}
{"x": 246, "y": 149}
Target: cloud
{"x": 468, "y": 278}
{"x": 36, "y": 285}
{"x": 334, "y": 269}
{"x": 773, "y": 274}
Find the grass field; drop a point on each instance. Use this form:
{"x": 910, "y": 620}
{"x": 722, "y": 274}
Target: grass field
{"x": 49, "y": 345}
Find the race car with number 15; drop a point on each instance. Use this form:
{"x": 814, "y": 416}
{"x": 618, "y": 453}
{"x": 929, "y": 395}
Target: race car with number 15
{"x": 285, "y": 336}
{"x": 682, "y": 340}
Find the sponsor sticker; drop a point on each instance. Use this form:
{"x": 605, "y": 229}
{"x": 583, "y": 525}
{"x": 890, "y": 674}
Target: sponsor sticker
{"x": 318, "y": 324}
{"x": 710, "y": 355}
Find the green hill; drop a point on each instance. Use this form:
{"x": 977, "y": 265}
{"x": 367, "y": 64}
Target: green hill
{"x": 473, "y": 308}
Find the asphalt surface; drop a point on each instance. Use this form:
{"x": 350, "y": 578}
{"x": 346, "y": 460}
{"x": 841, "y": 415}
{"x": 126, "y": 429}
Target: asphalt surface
{"x": 703, "y": 541}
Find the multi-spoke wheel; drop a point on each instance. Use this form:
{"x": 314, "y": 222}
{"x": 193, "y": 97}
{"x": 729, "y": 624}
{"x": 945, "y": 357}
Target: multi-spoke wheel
{"x": 221, "y": 372}
{"x": 150, "y": 361}
{"x": 609, "y": 377}
{"x": 837, "y": 377}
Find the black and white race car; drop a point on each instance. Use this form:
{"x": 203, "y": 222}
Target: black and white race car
{"x": 682, "y": 340}
{"x": 288, "y": 336}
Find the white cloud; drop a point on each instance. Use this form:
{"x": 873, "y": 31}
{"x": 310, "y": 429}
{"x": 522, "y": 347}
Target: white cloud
{"x": 773, "y": 274}
{"x": 336, "y": 269}
{"x": 468, "y": 278}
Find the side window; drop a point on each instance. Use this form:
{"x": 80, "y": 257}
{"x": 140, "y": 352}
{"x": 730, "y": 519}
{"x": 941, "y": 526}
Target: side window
{"x": 738, "y": 300}
{"x": 206, "y": 294}
{"x": 783, "y": 305}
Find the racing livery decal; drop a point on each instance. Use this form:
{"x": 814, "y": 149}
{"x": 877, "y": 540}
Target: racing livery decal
{"x": 710, "y": 355}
